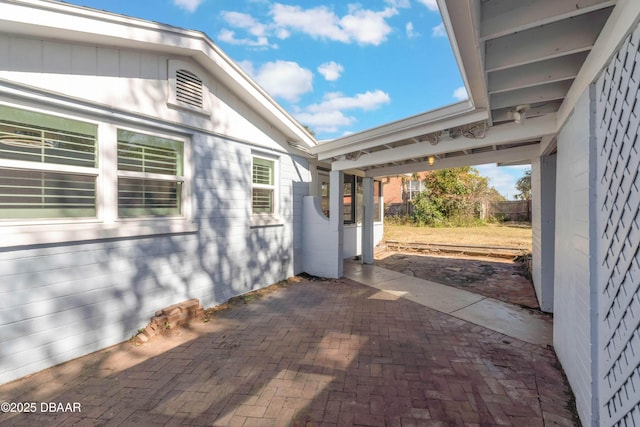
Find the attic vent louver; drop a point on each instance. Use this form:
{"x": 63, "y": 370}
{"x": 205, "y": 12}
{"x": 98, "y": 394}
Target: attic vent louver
{"x": 189, "y": 89}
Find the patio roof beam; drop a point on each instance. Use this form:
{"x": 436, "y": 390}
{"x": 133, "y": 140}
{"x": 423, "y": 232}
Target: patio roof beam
{"x": 502, "y": 17}
{"x": 530, "y": 95}
{"x": 509, "y": 155}
{"x": 551, "y": 41}
{"x": 532, "y": 128}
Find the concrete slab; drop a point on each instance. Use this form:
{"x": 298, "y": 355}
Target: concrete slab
{"x": 508, "y": 319}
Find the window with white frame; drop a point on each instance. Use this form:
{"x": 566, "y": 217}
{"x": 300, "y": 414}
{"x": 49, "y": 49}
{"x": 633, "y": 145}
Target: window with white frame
{"x": 263, "y": 179}
{"x": 59, "y": 172}
{"x": 150, "y": 175}
{"x": 48, "y": 166}
{"x": 414, "y": 187}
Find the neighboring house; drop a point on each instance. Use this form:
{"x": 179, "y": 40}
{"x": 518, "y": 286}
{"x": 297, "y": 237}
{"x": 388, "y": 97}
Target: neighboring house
{"x": 399, "y": 192}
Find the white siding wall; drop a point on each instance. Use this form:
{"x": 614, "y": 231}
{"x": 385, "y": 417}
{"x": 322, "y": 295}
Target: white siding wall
{"x": 573, "y": 312}
{"x": 61, "y": 301}
{"x": 618, "y": 228}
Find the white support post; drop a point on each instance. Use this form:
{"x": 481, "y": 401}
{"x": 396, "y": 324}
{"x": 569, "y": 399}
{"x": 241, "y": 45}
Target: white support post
{"x": 367, "y": 220}
{"x": 336, "y": 219}
{"x": 543, "y": 189}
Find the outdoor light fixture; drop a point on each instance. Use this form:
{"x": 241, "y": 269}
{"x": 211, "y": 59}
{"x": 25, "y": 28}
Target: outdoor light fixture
{"x": 431, "y": 160}
{"x": 520, "y": 113}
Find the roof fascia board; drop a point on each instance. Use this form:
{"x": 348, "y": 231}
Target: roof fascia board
{"x": 415, "y": 126}
{"x": 533, "y": 128}
{"x": 461, "y": 20}
{"x": 46, "y": 18}
{"x": 509, "y": 155}
{"x": 623, "y": 18}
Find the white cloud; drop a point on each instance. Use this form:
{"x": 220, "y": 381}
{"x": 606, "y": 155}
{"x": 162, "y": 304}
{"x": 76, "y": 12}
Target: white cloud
{"x": 246, "y": 22}
{"x": 366, "y": 101}
{"x": 361, "y": 26}
{"x": 503, "y": 178}
{"x": 188, "y": 5}
{"x": 329, "y": 115}
{"x": 432, "y": 5}
{"x": 331, "y": 71}
{"x": 460, "y": 93}
{"x": 283, "y": 79}
{"x": 411, "y": 33}
{"x": 399, "y": 3}
{"x": 229, "y": 36}
{"x": 439, "y": 30}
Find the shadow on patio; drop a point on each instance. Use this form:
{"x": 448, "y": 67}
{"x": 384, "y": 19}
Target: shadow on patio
{"x": 313, "y": 353}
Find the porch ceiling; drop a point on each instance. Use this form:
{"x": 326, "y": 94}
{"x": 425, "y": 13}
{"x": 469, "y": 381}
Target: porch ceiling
{"x": 518, "y": 61}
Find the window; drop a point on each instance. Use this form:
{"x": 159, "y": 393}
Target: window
{"x": 377, "y": 201}
{"x": 349, "y": 199}
{"x": 150, "y": 175}
{"x": 263, "y": 186}
{"x": 48, "y": 166}
{"x": 63, "y": 179}
{"x": 414, "y": 187}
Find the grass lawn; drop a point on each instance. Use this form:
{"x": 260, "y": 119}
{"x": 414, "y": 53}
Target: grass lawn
{"x": 503, "y": 235}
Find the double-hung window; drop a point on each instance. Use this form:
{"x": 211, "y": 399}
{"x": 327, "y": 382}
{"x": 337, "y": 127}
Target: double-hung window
{"x": 48, "y": 166}
{"x": 150, "y": 175}
{"x": 263, "y": 196}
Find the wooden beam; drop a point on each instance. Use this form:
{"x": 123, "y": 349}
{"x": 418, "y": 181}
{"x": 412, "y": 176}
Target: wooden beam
{"x": 502, "y": 114}
{"x": 522, "y": 155}
{"x": 548, "y": 41}
{"x": 548, "y": 71}
{"x": 497, "y": 135}
{"x": 502, "y": 17}
{"x": 530, "y": 95}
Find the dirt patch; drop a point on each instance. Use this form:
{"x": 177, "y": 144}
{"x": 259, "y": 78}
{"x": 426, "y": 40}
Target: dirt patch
{"x": 496, "y": 278}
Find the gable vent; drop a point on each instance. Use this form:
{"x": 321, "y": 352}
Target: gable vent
{"x": 189, "y": 88}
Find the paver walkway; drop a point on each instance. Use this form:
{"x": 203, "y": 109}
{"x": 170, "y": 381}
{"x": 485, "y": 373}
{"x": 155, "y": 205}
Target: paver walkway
{"x": 315, "y": 353}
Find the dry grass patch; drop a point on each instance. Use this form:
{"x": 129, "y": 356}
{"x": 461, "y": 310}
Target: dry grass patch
{"x": 499, "y": 235}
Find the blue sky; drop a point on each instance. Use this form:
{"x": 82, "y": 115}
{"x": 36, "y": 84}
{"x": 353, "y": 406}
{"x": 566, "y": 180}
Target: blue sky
{"x": 338, "y": 67}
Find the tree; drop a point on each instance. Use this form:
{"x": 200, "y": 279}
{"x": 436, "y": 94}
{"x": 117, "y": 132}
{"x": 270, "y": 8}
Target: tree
{"x": 523, "y": 185}
{"x": 452, "y": 195}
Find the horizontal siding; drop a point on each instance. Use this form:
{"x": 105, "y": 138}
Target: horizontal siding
{"x": 62, "y": 301}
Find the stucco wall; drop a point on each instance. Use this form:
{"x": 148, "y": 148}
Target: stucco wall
{"x": 573, "y": 312}
{"x": 61, "y": 301}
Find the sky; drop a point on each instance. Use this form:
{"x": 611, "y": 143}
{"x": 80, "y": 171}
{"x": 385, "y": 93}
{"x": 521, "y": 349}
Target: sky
{"x": 338, "y": 67}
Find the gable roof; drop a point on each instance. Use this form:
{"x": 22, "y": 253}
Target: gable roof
{"x": 50, "y": 19}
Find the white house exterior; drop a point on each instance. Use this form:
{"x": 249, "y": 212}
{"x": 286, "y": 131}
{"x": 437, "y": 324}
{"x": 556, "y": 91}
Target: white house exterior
{"x": 140, "y": 167}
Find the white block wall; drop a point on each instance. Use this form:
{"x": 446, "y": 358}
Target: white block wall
{"x": 61, "y": 301}
{"x": 574, "y": 313}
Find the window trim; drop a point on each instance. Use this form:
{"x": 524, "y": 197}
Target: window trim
{"x": 106, "y": 224}
{"x": 266, "y": 219}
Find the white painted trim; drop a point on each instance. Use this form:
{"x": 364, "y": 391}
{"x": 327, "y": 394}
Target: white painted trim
{"x": 519, "y": 154}
{"x": 388, "y": 135}
{"x": 531, "y": 129}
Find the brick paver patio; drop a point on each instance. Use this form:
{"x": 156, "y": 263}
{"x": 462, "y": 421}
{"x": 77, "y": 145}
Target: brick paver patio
{"x": 315, "y": 353}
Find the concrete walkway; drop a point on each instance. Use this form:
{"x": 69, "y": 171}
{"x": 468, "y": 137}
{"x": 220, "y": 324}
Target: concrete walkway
{"x": 314, "y": 353}
{"x": 511, "y": 320}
